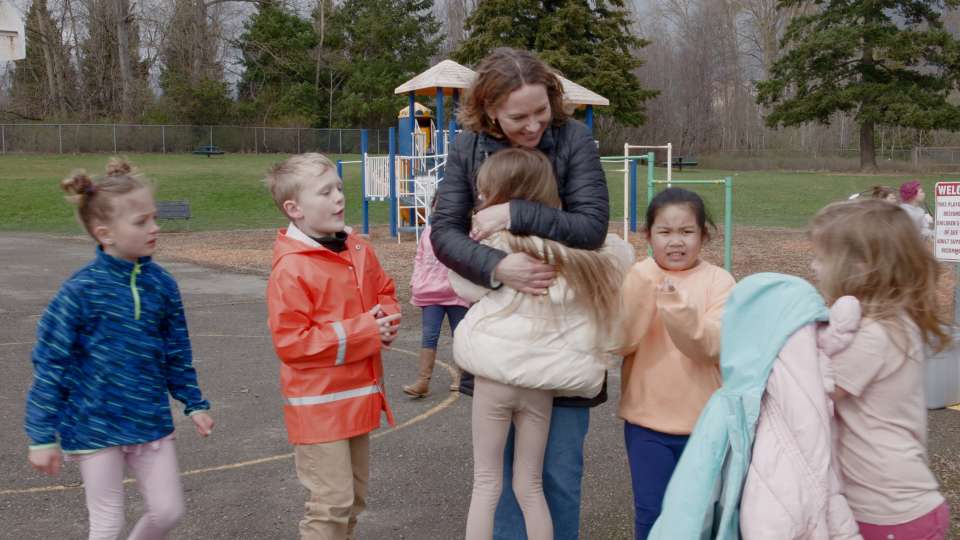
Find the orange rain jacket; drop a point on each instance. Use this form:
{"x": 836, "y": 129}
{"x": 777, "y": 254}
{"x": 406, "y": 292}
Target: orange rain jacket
{"x": 331, "y": 374}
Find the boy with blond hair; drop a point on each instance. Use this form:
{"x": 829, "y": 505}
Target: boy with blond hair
{"x": 331, "y": 308}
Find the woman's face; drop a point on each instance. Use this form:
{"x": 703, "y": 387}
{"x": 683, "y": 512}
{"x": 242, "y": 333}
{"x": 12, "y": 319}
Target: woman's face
{"x": 524, "y": 115}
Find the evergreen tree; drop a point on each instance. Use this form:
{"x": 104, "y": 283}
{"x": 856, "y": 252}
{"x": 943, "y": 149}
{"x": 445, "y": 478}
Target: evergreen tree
{"x": 43, "y": 82}
{"x": 278, "y": 78}
{"x": 890, "y": 62}
{"x": 589, "y": 42}
{"x": 382, "y": 43}
{"x": 191, "y": 76}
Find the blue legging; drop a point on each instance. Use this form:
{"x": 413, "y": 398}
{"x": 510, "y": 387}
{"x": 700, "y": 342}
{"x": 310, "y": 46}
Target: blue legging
{"x": 433, "y": 322}
{"x": 653, "y": 456}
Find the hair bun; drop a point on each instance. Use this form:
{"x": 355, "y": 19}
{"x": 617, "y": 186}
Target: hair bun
{"x": 78, "y": 184}
{"x": 118, "y": 167}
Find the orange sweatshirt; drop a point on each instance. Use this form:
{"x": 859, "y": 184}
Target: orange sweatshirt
{"x": 672, "y": 348}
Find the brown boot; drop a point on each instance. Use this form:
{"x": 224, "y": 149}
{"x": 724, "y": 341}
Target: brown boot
{"x": 419, "y": 389}
{"x": 455, "y": 385}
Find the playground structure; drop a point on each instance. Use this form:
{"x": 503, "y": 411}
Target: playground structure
{"x": 630, "y": 190}
{"x": 13, "y": 41}
{"x": 407, "y": 177}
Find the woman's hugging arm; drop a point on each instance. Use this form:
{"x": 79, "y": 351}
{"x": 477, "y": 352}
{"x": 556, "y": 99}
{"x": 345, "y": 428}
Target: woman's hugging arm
{"x": 583, "y": 221}
{"x": 451, "y": 221}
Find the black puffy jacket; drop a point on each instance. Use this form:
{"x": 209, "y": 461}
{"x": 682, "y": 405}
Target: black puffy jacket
{"x": 582, "y": 222}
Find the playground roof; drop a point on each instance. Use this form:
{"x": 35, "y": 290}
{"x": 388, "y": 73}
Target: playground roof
{"x": 419, "y": 109}
{"x": 447, "y": 75}
{"x": 575, "y": 94}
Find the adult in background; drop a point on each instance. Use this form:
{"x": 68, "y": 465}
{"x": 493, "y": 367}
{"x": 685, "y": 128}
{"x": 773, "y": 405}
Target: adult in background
{"x": 912, "y": 199}
{"x": 517, "y": 101}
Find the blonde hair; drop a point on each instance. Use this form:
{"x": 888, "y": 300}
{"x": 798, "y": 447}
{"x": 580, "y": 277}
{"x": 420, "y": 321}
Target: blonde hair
{"x": 871, "y": 249}
{"x": 498, "y": 75}
{"x": 94, "y": 197}
{"x": 523, "y": 173}
{"x": 287, "y": 178}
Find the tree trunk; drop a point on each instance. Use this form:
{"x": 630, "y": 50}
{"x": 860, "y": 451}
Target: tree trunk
{"x": 321, "y": 27}
{"x": 868, "y": 156}
{"x": 83, "y": 98}
{"x": 121, "y": 15}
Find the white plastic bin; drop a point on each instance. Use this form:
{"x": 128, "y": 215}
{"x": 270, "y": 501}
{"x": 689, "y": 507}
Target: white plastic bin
{"x": 942, "y": 377}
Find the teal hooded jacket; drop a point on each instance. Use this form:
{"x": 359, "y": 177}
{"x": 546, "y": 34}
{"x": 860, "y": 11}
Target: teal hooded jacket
{"x": 702, "y": 500}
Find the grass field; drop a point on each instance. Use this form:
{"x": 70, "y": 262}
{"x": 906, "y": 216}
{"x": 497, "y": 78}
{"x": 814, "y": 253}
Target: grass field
{"x": 227, "y": 193}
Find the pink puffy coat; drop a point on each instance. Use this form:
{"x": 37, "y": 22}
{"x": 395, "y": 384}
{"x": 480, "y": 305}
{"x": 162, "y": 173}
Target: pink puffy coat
{"x": 429, "y": 284}
{"x": 792, "y": 489}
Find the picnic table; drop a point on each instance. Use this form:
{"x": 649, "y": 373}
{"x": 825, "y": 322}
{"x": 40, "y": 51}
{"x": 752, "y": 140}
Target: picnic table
{"x": 679, "y": 163}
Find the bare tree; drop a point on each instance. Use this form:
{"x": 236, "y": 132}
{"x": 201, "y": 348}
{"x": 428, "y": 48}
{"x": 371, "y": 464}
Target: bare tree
{"x": 122, "y": 18}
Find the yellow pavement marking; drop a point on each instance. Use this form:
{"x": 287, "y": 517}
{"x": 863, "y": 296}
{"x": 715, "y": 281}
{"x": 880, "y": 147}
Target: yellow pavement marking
{"x": 454, "y": 396}
{"x": 955, "y": 407}
{"x": 12, "y": 343}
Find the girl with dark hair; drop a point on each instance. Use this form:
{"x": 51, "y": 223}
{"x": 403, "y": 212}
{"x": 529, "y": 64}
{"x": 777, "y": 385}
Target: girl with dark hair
{"x": 517, "y": 101}
{"x": 673, "y": 302}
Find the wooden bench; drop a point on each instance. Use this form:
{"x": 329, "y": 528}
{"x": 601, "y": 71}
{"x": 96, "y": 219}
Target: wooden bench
{"x": 173, "y": 210}
{"x": 679, "y": 163}
{"x": 208, "y": 150}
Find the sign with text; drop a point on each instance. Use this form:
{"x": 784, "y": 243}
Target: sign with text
{"x": 947, "y": 235}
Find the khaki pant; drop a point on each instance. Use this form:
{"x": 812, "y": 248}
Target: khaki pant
{"x": 336, "y": 473}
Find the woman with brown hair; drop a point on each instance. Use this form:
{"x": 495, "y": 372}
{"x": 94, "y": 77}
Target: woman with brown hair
{"x": 517, "y": 101}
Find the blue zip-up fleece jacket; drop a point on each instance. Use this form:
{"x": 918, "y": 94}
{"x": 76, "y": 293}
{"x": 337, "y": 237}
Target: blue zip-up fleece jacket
{"x": 110, "y": 346}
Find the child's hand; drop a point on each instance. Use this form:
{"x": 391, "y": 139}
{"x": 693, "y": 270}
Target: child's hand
{"x": 490, "y": 220}
{"x": 203, "y": 423}
{"x": 46, "y": 460}
{"x": 376, "y": 311}
{"x": 666, "y": 286}
{"x": 388, "y": 330}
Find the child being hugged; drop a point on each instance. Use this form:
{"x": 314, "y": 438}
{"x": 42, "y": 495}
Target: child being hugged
{"x": 331, "y": 309}
{"x": 111, "y": 346}
{"x": 872, "y": 251}
{"x": 430, "y": 290}
{"x": 673, "y": 304}
{"x": 525, "y": 349}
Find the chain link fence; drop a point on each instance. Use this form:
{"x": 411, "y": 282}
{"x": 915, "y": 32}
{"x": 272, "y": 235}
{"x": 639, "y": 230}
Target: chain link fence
{"x": 136, "y": 138}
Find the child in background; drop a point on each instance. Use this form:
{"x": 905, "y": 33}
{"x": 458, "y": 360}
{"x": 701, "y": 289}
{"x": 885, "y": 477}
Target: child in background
{"x": 331, "y": 309}
{"x": 431, "y": 291}
{"x": 884, "y": 193}
{"x": 111, "y": 346}
{"x": 673, "y": 304}
{"x": 912, "y": 197}
{"x": 871, "y": 250}
{"x": 523, "y": 349}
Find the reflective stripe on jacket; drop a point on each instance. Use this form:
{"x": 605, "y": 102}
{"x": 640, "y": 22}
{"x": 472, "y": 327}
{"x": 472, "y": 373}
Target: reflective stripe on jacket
{"x": 331, "y": 373}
